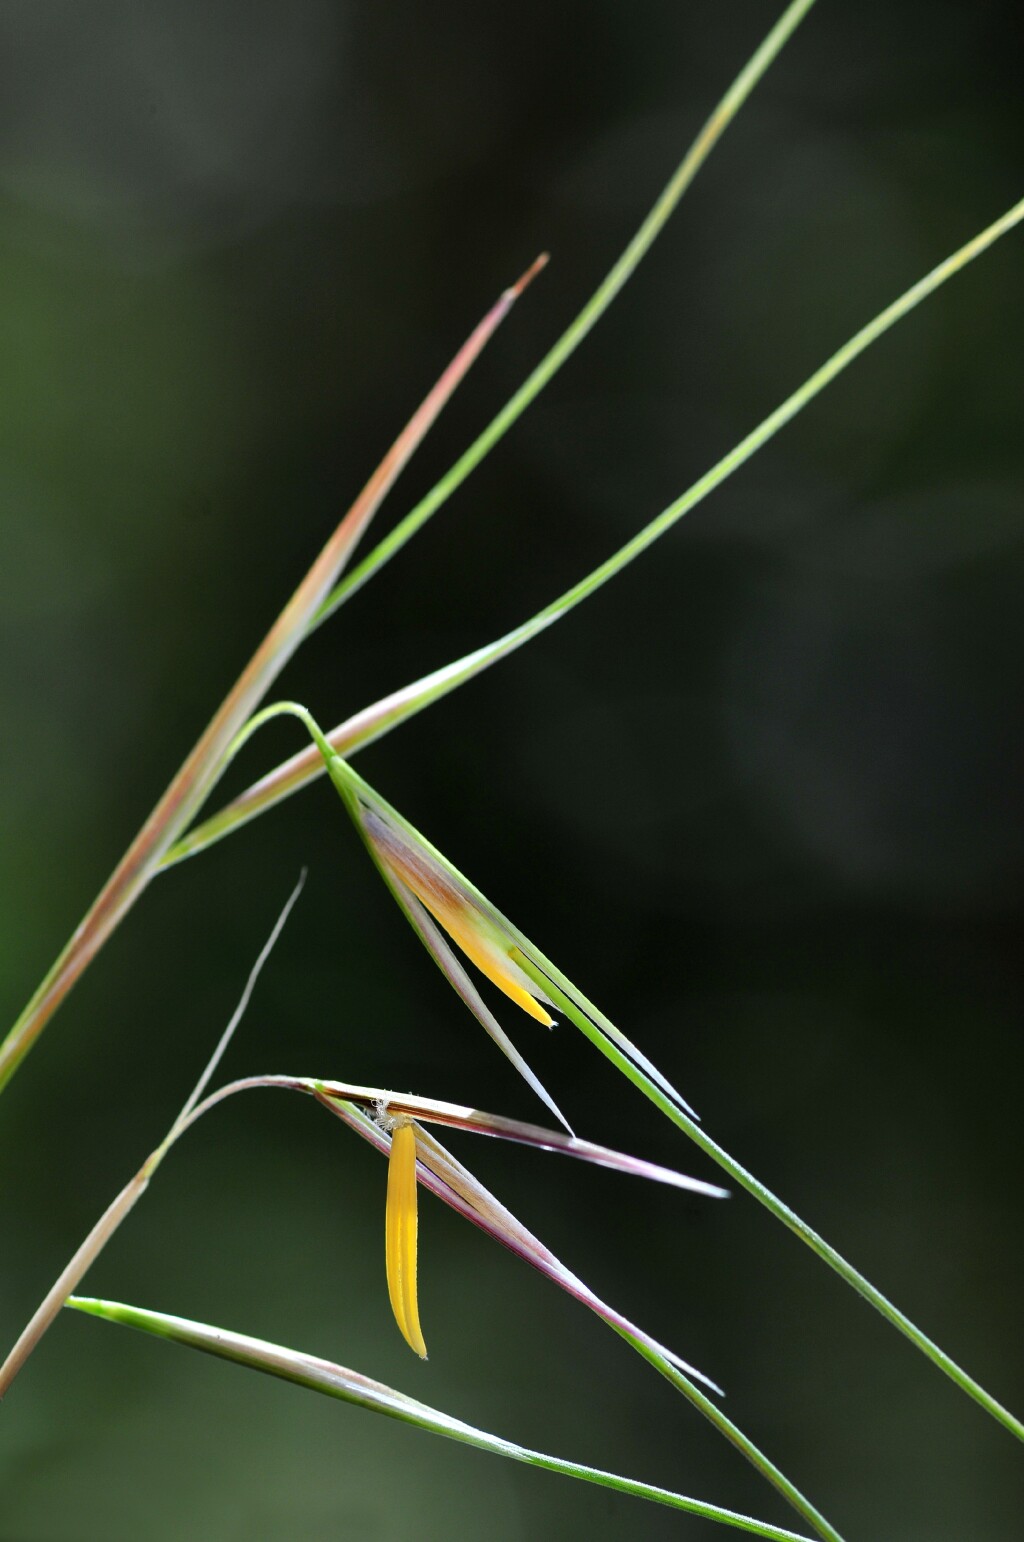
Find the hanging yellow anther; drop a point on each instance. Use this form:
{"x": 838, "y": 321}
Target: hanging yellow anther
{"x": 400, "y": 1232}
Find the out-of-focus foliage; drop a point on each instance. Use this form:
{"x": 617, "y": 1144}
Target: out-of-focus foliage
{"x": 236, "y": 244}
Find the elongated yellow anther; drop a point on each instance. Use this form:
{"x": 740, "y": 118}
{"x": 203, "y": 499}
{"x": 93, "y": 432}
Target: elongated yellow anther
{"x": 453, "y": 909}
{"x": 400, "y": 1236}
{"x": 490, "y": 960}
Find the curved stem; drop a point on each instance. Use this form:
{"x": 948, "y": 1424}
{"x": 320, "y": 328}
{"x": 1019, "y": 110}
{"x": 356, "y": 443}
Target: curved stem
{"x": 384, "y": 715}
{"x": 90, "y": 1249}
{"x": 111, "y": 1219}
{"x": 594, "y": 309}
{"x": 343, "y": 777}
{"x": 115, "y": 1213}
{"x": 451, "y": 1183}
{"x": 314, "y": 600}
{"x": 337, "y": 1381}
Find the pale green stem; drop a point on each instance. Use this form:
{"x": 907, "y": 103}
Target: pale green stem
{"x": 347, "y": 781}
{"x": 335, "y": 1381}
{"x": 777, "y": 1208}
{"x": 97, "y": 1239}
{"x": 735, "y": 1436}
{"x": 314, "y": 599}
{"x": 599, "y": 302}
{"x": 284, "y": 709}
{"x": 387, "y": 714}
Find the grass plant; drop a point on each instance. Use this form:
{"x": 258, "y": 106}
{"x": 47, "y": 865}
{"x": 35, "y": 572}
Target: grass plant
{"x": 455, "y": 921}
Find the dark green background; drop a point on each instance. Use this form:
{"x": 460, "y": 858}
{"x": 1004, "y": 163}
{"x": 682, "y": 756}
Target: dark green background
{"x": 761, "y": 798}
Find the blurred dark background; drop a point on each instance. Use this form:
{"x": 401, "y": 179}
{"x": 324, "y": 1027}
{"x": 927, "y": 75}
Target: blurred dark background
{"x": 761, "y": 797}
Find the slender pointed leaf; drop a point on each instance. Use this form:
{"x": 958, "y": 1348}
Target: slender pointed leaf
{"x": 337, "y": 1381}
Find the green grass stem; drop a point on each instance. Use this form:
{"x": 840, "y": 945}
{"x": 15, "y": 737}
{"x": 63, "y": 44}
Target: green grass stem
{"x": 315, "y": 598}
{"x": 348, "y": 1386}
{"x": 568, "y": 999}
{"x": 379, "y": 719}
{"x": 776, "y": 1207}
{"x": 577, "y": 330}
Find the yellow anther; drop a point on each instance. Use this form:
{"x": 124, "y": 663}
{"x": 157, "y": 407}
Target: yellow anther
{"x": 400, "y": 1237}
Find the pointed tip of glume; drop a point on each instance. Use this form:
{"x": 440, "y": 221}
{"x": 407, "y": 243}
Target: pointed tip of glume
{"x": 563, "y": 1121}
{"x": 538, "y": 265}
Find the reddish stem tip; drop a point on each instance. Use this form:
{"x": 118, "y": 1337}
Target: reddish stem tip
{"x": 531, "y": 273}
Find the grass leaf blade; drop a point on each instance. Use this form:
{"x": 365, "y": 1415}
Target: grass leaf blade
{"x": 337, "y": 1381}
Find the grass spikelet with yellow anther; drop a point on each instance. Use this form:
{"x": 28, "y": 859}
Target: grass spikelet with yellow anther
{"x": 414, "y": 1157}
{"x": 551, "y": 985}
{"x": 421, "y": 878}
{"x": 465, "y": 933}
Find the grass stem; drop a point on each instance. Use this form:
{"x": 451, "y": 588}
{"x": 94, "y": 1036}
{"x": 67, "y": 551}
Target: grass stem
{"x": 375, "y": 721}
{"x": 776, "y": 1207}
